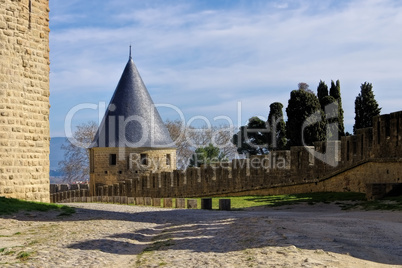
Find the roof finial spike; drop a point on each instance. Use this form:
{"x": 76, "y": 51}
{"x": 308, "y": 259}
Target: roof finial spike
{"x": 130, "y": 51}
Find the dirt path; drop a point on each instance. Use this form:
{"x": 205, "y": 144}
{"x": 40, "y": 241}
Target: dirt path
{"x": 106, "y": 235}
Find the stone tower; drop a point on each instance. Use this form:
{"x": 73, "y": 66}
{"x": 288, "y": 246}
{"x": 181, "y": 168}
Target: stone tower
{"x": 132, "y": 138}
{"x": 24, "y": 99}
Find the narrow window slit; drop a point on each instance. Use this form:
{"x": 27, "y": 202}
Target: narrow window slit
{"x": 30, "y": 14}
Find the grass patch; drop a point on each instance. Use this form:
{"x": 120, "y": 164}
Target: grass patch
{"x": 348, "y": 200}
{"x": 387, "y": 203}
{"x": 33, "y": 242}
{"x": 12, "y": 205}
{"x": 10, "y": 252}
{"x": 309, "y": 198}
{"x": 241, "y": 202}
{"x": 66, "y": 211}
{"x": 159, "y": 245}
{"x": 23, "y": 256}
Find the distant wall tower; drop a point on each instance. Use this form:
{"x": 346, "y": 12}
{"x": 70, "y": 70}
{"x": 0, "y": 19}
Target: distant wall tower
{"x": 24, "y": 99}
{"x": 132, "y": 139}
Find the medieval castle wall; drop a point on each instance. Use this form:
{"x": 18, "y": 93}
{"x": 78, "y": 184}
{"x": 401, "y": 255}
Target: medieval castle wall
{"x": 109, "y": 165}
{"x": 24, "y": 99}
{"x": 371, "y": 156}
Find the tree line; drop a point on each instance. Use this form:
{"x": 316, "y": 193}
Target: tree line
{"x": 310, "y": 117}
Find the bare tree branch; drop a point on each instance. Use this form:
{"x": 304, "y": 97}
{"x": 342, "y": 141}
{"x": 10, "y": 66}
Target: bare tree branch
{"x": 75, "y": 166}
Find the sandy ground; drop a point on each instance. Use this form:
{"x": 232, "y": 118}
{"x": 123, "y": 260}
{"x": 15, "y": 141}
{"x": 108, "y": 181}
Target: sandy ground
{"x": 107, "y": 235}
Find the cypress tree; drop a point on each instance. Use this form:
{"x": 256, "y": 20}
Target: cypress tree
{"x": 335, "y": 92}
{"x": 322, "y": 92}
{"x": 277, "y": 135}
{"x": 301, "y": 105}
{"x": 366, "y": 107}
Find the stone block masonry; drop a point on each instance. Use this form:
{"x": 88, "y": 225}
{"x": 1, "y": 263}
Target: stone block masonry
{"x": 24, "y": 99}
{"x": 360, "y": 161}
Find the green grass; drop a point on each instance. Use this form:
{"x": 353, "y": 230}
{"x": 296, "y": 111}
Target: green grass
{"x": 388, "y": 203}
{"x": 12, "y": 205}
{"x": 157, "y": 245}
{"x": 344, "y": 200}
{"x": 10, "y": 252}
{"x": 23, "y": 256}
{"x": 241, "y": 202}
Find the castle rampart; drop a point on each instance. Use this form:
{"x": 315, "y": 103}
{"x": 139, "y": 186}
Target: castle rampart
{"x": 373, "y": 155}
{"x": 24, "y": 99}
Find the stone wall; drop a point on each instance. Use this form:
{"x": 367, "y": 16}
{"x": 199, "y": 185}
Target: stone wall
{"x": 231, "y": 181}
{"x": 113, "y": 165}
{"x": 24, "y": 99}
{"x": 360, "y": 160}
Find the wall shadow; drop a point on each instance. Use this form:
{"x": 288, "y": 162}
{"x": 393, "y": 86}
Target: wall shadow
{"x": 228, "y": 231}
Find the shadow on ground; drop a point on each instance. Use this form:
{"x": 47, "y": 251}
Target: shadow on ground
{"x": 226, "y": 231}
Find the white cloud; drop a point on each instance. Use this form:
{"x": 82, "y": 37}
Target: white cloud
{"x": 207, "y": 59}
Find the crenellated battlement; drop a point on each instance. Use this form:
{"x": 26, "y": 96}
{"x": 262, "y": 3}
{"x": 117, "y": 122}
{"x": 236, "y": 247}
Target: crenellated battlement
{"x": 373, "y": 155}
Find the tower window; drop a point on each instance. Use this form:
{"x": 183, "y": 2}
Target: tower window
{"x": 144, "y": 160}
{"x": 168, "y": 159}
{"x": 112, "y": 159}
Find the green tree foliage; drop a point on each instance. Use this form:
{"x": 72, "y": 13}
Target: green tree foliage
{"x": 302, "y": 104}
{"x": 335, "y": 92}
{"x": 277, "y": 128}
{"x": 206, "y": 155}
{"x": 366, "y": 107}
{"x": 322, "y": 92}
{"x": 252, "y": 139}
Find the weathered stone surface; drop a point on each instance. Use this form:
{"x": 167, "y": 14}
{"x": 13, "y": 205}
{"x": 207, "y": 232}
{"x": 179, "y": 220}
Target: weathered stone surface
{"x": 116, "y": 199}
{"x": 101, "y": 171}
{"x": 139, "y": 201}
{"x": 123, "y": 200}
{"x": 372, "y": 156}
{"x": 24, "y": 100}
{"x": 192, "y": 203}
{"x": 167, "y": 202}
{"x": 147, "y": 201}
{"x": 376, "y": 191}
{"x": 180, "y": 203}
{"x": 156, "y": 202}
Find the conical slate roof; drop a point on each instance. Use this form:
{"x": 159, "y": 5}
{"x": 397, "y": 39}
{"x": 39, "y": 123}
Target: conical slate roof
{"x": 131, "y": 119}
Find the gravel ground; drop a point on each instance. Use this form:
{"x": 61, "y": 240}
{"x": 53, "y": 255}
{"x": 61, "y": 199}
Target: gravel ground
{"x": 107, "y": 235}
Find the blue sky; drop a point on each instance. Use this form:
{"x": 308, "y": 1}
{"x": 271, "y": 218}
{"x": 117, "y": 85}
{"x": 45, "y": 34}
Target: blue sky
{"x": 205, "y": 57}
